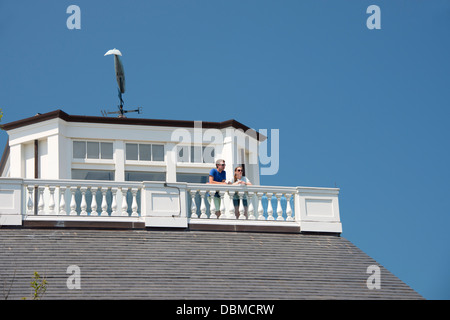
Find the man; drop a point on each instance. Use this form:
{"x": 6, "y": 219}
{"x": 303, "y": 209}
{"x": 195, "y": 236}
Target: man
{"x": 218, "y": 175}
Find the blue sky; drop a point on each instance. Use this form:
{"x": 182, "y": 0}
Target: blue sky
{"x": 364, "y": 110}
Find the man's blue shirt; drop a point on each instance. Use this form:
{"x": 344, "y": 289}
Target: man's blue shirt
{"x": 218, "y": 176}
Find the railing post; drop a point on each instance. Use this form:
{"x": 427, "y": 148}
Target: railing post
{"x": 318, "y": 209}
{"x": 260, "y": 206}
{"x": 51, "y": 203}
{"x": 73, "y": 204}
{"x": 134, "y": 205}
{"x": 94, "y": 201}
{"x": 212, "y": 205}
{"x": 251, "y": 210}
{"x": 30, "y": 203}
{"x": 104, "y": 203}
{"x": 14, "y": 202}
{"x": 193, "y": 206}
{"x": 222, "y": 205}
{"x": 241, "y": 205}
{"x": 124, "y": 202}
{"x": 279, "y": 209}
{"x": 231, "y": 213}
{"x": 62, "y": 201}
{"x": 203, "y": 205}
{"x": 288, "y": 207}
{"x": 114, "y": 202}
{"x": 269, "y": 206}
{"x": 83, "y": 204}
{"x": 41, "y": 201}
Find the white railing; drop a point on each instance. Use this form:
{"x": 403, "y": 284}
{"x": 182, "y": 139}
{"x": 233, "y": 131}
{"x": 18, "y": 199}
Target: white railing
{"x": 178, "y": 204}
{"x": 82, "y": 198}
{"x": 234, "y": 202}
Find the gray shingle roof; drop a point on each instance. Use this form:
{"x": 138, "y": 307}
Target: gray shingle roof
{"x": 149, "y": 264}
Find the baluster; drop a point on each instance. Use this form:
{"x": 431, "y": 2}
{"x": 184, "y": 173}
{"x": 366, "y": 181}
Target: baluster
{"x": 203, "y": 205}
{"x": 30, "y": 203}
{"x": 279, "y": 208}
{"x": 260, "y": 206}
{"x": 104, "y": 203}
{"x": 231, "y": 213}
{"x": 134, "y": 205}
{"x": 193, "y": 206}
{"x": 73, "y": 204}
{"x": 51, "y": 203}
{"x": 222, "y": 206}
{"x": 41, "y": 200}
{"x": 251, "y": 215}
{"x": 241, "y": 206}
{"x": 269, "y": 207}
{"x": 288, "y": 207}
{"x": 114, "y": 202}
{"x": 83, "y": 204}
{"x": 212, "y": 206}
{"x": 62, "y": 201}
{"x": 124, "y": 202}
{"x": 94, "y": 202}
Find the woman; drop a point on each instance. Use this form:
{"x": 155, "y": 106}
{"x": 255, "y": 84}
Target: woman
{"x": 239, "y": 179}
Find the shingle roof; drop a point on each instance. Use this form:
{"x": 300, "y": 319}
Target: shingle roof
{"x": 159, "y": 264}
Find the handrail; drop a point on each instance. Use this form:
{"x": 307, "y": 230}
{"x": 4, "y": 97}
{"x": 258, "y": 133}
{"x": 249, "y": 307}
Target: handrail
{"x": 155, "y": 203}
{"x": 243, "y": 202}
{"x": 74, "y": 182}
{"x": 75, "y": 197}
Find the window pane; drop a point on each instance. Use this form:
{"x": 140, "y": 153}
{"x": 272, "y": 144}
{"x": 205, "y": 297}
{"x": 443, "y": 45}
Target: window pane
{"x": 80, "y": 174}
{"x": 192, "y": 178}
{"x": 144, "y": 176}
{"x": 208, "y": 154}
{"x": 79, "y": 149}
{"x": 182, "y": 154}
{"x": 158, "y": 152}
{"x": 196, "y": 154}
{"x": 132, "y": 151}
{"x": 92, "y": 150}
{"x": 145, "y": 152}
{"x": 107, "y": 150}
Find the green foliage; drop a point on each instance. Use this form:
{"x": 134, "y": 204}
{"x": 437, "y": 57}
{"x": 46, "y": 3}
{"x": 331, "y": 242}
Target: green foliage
{"x": 39, "y": 286}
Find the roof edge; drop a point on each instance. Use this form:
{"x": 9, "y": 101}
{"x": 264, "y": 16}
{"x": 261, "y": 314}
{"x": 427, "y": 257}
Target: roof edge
{"x": 130, "y": 121}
